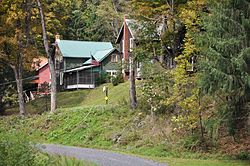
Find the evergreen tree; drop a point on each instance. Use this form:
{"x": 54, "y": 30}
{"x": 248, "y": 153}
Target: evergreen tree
{"x": 225, "y": 50}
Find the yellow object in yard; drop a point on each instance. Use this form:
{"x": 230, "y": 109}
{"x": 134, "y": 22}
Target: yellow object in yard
{"x": 106, "y": 98}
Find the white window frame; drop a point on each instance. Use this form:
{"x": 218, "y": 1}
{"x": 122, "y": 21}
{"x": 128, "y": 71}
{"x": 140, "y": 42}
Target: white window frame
{"x": 114, "y": 58}
{"x": 131, "y": 44}
{"x": 192, "y": 64}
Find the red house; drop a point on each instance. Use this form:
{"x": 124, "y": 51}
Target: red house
{"x": 43, "y": 75}
{"x": 43, "y": 72}
{"x": 126, "y": 42}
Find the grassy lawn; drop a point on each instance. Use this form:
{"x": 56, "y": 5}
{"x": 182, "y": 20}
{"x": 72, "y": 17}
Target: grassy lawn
{"x": 197, "y": 162}
{"x": 84, "y": 97}
{"x": 83, "y": 119}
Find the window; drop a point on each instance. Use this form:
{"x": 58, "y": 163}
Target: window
{"x": 114, "y": 58}
{"x": 131, "y": 44}
{"x": 191, "y": 64}
{"x": 112, "y": 72}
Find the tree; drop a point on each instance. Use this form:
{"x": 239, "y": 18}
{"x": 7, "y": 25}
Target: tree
{"x": 51, "y": 58}
{"x": 15, "y": 40}
{"x": 164, "y": 15}
{"x": 89, "y": 21}
{"x": 225, "y": 50}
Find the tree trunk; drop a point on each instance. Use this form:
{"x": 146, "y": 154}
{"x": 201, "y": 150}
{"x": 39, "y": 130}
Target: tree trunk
{"x": 19, "y": 83}
{"x": 51, "y": 59}
{"x": 27, "y": 21}
{"x": 163, "y": 30}
{"x": 132, "y": 91}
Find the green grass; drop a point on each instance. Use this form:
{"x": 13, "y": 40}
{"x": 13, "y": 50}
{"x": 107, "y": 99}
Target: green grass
{"x": 83, "y": 119}
{"x": 117, "y": 94}
{"x": 68, "y": 161}
{"x": 85, "y": 97}
{"x": 197, "y": 162}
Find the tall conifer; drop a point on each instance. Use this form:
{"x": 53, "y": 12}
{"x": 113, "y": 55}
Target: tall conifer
{"x": 225, "y": 50}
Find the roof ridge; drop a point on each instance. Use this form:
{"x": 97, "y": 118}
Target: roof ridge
{"x": 85, "y": 41}
{"x": 105, "y": 49}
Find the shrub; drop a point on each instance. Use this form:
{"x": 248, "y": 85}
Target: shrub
{"x": 244, "y": 155}
{"x": 15, "y": 151}
{"x": 103, "y": 78}
{"x": 191, "y": 142}
{"x": 117, "y": 79}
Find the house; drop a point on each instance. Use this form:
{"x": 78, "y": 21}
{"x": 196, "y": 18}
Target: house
{"x": 80, "y": 63}
{"x": 126, "y": 42}
{"x": 41, "y": 66}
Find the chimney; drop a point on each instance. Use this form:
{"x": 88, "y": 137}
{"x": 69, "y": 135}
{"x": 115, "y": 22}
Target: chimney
{"x": 57, "y": 38}
{"x": 125, "y": 40}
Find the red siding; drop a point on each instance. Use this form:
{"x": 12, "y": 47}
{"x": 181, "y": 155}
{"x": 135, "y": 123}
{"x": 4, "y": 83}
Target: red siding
{"x": 44, "y": 75}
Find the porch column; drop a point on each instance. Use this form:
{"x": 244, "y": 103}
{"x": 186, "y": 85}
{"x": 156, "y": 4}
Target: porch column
{"x": 77, "y": 79}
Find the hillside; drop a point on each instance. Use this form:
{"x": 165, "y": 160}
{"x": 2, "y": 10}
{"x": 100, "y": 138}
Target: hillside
{"x": 85, "y": 97}
{"x": 83, "y": 119}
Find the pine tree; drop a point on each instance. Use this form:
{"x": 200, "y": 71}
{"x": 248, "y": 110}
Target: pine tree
{"x": 225, "y": 50}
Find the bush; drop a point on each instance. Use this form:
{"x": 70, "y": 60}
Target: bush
{"x": 191, "y": 142}
{"x": 243, "y": 156}
{"x": 117, "y": 79}
{"x": 16, "y": 150}
{"x": 103, "y": 78}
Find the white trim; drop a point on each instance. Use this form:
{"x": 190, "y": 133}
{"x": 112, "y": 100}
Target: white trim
{"x": 112, "y": 72}
{"x": 119, "y": 33}
{"x": 81, "y": 86}
{"x": 131, "y": 44}
{"x": 42, "y": 66}
{"x": 61, "y": 78}
{"x": 123, "y": 29}
{"x": 131, "y": 32}
{"x": 129, "y": 28}
{"x": 79, "y": 68}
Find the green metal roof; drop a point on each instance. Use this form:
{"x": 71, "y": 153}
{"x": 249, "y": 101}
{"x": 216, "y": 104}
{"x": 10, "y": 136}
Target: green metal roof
{"x": 82, "y": 49}
{"x": 100, "y": 55}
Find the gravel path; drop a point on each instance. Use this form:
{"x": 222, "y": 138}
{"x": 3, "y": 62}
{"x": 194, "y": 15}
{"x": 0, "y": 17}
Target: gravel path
{"x": 100, "y": 157}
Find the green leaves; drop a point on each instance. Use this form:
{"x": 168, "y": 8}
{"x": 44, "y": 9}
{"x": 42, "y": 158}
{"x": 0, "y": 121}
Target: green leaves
{"x": 225, "y": 66}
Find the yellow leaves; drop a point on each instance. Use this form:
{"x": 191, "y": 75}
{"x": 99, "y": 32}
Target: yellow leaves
{"x": 151, "y": 9}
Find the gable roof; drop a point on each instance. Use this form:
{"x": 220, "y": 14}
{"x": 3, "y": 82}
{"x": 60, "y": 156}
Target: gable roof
{"x": 131, "y": 26}
{"x": 135, "y": 27}
{"x": 38, "y": 63}
{"x": 100, "y": 55}
{"x": 81, "y": 49}
{"x": 42, "y": 66}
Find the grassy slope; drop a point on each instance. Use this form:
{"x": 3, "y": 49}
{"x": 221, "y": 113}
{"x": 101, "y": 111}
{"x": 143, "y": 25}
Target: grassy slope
{"x": 68, "y": 99}
{"x": 83, "y": 120}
